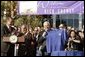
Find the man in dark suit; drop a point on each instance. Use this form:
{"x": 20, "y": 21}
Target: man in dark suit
{"x": 53, "y": 40}
{"x": 42, "y": 39}
{"x": 7, "y": 49}
{"x": 28, "y": 47}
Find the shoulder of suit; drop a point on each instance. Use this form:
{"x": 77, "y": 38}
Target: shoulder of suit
{"x": 3, "y": 26}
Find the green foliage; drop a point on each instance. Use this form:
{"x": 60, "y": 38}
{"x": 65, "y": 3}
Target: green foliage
{"x": 32, "y": 20}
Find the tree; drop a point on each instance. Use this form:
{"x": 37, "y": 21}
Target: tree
{"x": 11, "y": 10}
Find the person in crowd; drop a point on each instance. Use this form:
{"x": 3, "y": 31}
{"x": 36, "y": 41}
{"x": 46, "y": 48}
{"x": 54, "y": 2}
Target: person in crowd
{"x": 22, "y": 32}
{"x": 74, "y": 41}
{"x": 7, "y": 49}
{"x": 64, "y": 28}
{"x": 36, "y": 34}
{"x": 81, "y": 35}
{"x": 42, "y": 40}
{"x": 27, "y": 48}
{"x": 52, "y": 40}
{"x": 31, "y": 30}
{"x": 69, "y": 29}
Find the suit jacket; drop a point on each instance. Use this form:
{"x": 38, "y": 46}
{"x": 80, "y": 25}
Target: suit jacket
{"x": 6, "y": 32}
{"x": 41, "y": 40}
{"x": 27, "y": 48}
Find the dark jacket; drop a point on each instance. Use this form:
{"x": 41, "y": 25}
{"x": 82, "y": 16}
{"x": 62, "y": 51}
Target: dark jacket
{"x": 7, "y": 48}
{"x": 26, "y": 49}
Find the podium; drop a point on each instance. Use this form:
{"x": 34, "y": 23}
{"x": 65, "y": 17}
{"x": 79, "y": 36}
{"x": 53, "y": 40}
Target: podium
{"x": 16, "y": 40}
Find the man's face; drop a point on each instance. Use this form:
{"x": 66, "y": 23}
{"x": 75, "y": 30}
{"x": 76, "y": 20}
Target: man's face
{"x": 23, "y": 29}
{"x": 46, "y": 25}
{"x": 81, "y": 34}
{"x": 36, "y": 30}
{"x": 9, "y": 21}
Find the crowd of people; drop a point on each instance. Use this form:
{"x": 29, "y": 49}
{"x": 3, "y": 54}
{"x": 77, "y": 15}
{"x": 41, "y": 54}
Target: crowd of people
{"x": 35, "y": 39}
{"x": 75, "y": 38}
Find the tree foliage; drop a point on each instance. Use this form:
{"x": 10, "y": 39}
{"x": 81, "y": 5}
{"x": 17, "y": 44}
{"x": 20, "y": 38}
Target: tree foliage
{"x": 32, "y": 20}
